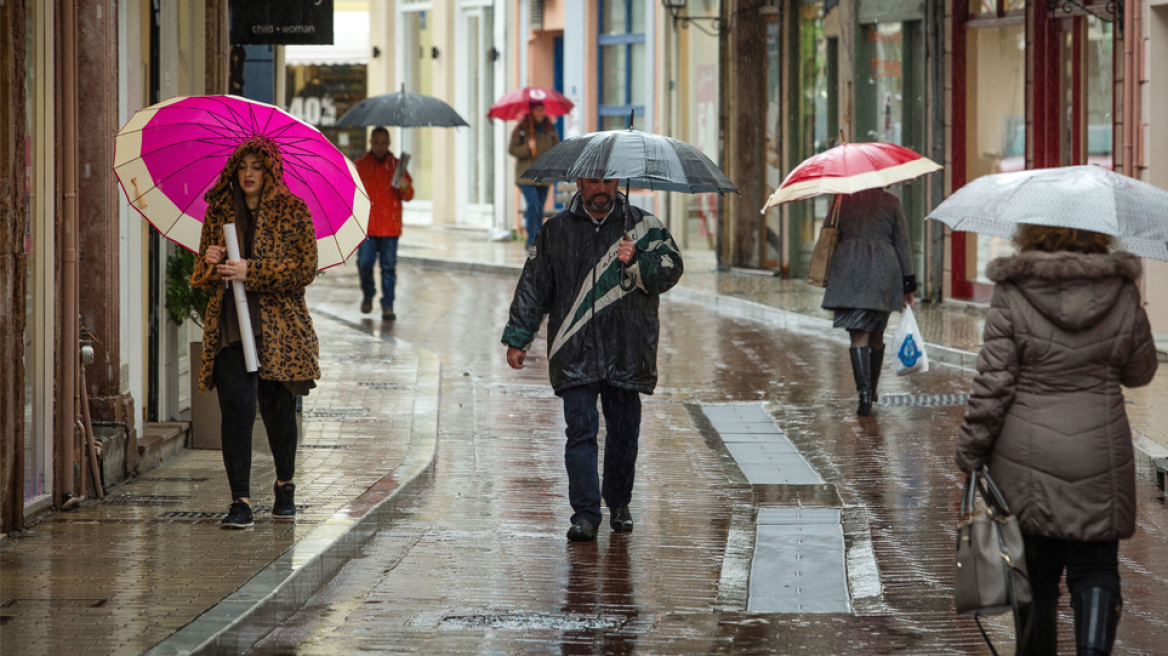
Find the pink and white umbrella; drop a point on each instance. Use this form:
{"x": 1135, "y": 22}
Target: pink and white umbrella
{"x": 169, "y": 155}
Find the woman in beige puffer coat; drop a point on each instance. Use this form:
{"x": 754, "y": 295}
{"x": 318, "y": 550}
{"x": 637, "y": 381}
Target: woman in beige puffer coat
{"x": 1065, "y": 330}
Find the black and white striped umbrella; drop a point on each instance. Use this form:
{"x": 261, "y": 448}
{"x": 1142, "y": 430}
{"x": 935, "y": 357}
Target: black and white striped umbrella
{"x": 638, "y": 159}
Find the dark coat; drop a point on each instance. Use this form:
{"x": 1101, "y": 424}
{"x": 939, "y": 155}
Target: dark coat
{"x": 596, "y": 330}
{"x": 872, "y": 266}
{"x": 1064, "y": 331}
{"x": 282, "y": 264}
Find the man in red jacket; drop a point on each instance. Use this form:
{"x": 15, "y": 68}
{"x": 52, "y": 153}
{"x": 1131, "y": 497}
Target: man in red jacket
{"x": 385, "y": 221}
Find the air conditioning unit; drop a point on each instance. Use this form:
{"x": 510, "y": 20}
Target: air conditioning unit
{"x": 536, "y": 15}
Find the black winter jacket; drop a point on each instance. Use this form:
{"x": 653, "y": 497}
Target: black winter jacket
{"x": 596, "y": 330}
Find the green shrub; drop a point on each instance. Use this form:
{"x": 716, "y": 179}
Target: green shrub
{"x": 183, "y": 301}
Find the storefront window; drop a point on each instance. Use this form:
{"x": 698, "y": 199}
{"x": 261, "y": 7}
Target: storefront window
{"x": 774, "y": 171}
{"x": 621, "y": 43}
{"x": 890, "y": 108}
{"x": 995, "y": 121}
{"x": 813, "y": 113}
{"x": 481, "y": 93}
{"x": 319, "y": 95}
{"x": 698, "y": 91}
{"x": 885, "y": 83}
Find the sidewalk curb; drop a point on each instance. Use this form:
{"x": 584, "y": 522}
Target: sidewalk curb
{"x": 459, "y": 266}
{"x": 278, "y": 591}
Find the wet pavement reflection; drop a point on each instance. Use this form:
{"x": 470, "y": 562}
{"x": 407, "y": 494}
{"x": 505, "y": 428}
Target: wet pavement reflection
{"x": 481, "y": 565}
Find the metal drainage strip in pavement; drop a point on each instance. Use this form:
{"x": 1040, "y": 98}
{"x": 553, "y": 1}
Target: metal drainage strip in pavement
{"x": 799, "y": 564}
{"x": 761, "y": 449}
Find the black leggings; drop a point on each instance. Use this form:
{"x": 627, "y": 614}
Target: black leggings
{"x": 238, "y": 393}
{"x": 1088, "y": 565}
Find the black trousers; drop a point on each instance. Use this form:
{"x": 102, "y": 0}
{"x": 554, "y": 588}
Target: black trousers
{"x": 622, "y": 420}
{"x": 1088, "y": 565}
{"x": 239, "y": 392}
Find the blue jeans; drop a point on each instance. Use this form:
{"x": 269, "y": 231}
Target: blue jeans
{"x": 367, "y": 254}
{"x": 534, "y": 197}
{"x": 622, "y": 419}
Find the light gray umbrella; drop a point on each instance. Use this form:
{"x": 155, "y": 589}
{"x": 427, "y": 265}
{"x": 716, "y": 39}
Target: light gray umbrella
{"x": 1081, "y": 197}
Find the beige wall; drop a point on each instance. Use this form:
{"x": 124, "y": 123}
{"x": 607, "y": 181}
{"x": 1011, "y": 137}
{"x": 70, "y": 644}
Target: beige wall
{"x": 1155, "y": 105}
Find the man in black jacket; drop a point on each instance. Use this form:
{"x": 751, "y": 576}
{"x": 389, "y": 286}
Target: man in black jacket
{"x": 597, "y": 271}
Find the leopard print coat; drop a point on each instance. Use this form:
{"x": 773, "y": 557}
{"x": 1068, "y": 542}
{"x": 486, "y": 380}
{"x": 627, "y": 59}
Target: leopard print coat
{"x": 283, "y": 263}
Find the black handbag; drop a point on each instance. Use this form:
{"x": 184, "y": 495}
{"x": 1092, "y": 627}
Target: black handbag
{"x": 990, "y": 577}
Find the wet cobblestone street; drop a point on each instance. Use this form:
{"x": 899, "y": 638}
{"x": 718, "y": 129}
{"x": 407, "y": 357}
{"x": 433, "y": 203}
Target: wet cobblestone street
{"x": 480, "y": 565}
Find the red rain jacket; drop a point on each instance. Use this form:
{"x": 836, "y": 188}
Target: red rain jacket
{"x": 385, "y": 219}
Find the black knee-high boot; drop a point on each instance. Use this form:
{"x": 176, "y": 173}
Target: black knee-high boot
{"x": 1042, "y": 615}
{"x": 862, "y": 372}
{"x": 877, "y": 364}
{"x": 1096, "y": 619}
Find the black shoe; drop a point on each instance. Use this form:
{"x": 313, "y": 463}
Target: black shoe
{"x": 877, "y": 361}
{"x": 388, "y": 315}
{"x": 285, "y": 504}
{"x": 1096, "y": 619}
{"x": 367, "y": 305}
{"x": 239, "y": 516}
{"x": 1042, "y": 638}
{"x": 582, "y": 531}
{"x": 862, "y": 372}
{"x": 621, "y": 520}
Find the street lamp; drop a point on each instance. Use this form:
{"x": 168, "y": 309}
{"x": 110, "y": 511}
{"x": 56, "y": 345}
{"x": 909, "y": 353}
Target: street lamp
{"x": 674, "y": 8}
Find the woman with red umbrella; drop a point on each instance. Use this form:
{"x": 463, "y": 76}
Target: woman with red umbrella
{"x": 871, "y": 274}
{"x": 278, "y": 259}
{"x": 534, "y": 136}
{"x": 871, "y": 277}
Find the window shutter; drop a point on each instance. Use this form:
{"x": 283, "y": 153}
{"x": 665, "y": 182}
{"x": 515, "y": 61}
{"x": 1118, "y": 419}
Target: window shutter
{"x": 536, "y": 17}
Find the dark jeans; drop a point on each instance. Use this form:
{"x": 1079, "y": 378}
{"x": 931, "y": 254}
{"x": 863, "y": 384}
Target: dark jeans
{"x": 622, "y": 419}
{"x": 534, "y": 197}
{"x": 1088, "y": 565}
{"x": 367, "y": 254}
{"x": 238, "y": 393}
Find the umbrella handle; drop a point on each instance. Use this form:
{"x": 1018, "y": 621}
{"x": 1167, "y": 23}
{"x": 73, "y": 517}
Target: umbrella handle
{"x": 632, "y": 283}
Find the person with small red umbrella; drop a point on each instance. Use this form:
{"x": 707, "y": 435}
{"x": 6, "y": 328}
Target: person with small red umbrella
{"x": 534, "y": 136}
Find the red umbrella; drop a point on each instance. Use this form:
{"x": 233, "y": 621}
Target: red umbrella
{"x": 516, "y": 104}
{"x": 849, "y": 168}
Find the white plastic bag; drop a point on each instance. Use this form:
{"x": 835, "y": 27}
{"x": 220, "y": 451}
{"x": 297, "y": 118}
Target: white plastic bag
{"x": 908, "y": 354}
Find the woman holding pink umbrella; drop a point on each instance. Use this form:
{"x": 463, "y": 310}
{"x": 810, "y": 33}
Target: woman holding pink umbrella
{"x": 278, "y": 252}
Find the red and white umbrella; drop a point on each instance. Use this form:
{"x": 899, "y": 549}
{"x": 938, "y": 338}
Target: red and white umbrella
{"x": 849, "y": 168}
{"x": 514, "y": 105}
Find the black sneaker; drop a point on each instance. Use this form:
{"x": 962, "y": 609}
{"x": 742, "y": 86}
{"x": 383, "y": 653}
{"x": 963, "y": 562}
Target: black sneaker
{"x": 285, "y": 505}
{"x": 239, "y": 516}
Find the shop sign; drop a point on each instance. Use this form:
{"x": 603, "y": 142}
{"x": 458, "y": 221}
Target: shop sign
{"x": 286, "y": 22}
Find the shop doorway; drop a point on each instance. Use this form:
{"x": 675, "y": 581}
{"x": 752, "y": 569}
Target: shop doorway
{"x": 476, "y": 91}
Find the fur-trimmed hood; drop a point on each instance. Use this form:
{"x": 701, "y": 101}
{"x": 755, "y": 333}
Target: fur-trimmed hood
{"x": 1073, "y": 290}
{"x": 270, "y": 158}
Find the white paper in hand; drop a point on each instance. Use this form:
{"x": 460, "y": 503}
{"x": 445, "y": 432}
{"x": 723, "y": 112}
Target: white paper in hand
{"x": 908, "y": 355}
{"x": 250, "y": 360}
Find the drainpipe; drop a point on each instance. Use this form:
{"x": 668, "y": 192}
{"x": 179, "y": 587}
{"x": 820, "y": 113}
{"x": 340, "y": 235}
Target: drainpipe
{"x": 66, "y": 432}
{"x": 1131, "y": 37}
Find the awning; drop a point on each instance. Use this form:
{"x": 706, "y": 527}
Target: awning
{"x": 350, "y": 43}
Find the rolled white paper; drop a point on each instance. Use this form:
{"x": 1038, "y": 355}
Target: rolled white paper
{"x": 250, "y": 360}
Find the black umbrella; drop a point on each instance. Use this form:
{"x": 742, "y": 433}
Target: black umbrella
{"x": 403, "y": 109}
{"x": 637, "y": 159}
